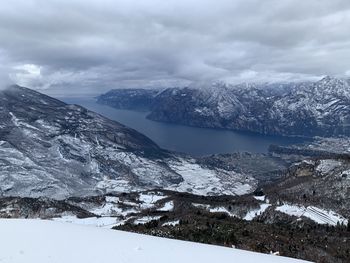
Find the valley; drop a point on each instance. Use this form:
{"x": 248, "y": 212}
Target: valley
{"x": 62, "y": 162}
{"x": 174, "y": 131}
{"x": 186, "y": 139}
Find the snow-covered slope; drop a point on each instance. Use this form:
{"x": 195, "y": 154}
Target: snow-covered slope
{"x": 40, "y": 241}
{"x": 318, "y": 215}
{"x": 49, "y": 148}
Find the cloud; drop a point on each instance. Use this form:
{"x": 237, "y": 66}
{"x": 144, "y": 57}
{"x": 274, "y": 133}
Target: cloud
{"x": 5, "y": 79}
{"x": 76, "y": 46}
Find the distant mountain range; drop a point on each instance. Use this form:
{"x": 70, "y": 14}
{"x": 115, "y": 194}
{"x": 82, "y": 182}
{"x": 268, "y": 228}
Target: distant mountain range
{"x": 320, "y": 108}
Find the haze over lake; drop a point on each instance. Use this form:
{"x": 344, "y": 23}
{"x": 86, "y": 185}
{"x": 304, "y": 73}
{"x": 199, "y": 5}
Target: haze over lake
{"x": 191, "y": 140}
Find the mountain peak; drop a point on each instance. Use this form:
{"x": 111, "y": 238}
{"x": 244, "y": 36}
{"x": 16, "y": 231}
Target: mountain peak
{"x": 331, "y": 80}
{"x": 333, "y": 86}
{"x": 327, "y": 78}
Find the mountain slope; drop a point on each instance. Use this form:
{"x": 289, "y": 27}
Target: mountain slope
{"x": 304, "y": 109}
{"x": 70, "y": 243}
{"x": 49, "y": 148}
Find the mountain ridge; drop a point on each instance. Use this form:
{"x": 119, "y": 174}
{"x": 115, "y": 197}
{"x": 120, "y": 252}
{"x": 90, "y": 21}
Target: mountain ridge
{"x": 304, "y": 109}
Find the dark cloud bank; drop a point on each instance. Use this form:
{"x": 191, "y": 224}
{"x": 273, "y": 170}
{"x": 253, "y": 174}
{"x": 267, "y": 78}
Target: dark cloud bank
{"x": 72, "y": 47}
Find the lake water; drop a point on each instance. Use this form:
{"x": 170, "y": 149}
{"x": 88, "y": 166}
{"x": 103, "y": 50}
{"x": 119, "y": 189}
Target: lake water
{"x": 196, "y": 141}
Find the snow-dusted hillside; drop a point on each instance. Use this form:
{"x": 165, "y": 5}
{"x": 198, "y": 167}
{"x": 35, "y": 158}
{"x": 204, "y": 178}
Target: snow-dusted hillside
{"x": 37, "y": 241}
{"x": 49, "y": 148}
{"x": 304, "y": 109}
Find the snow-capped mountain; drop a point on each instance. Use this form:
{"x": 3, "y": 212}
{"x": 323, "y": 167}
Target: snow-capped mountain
{"x": 303, "y": 109}
{"x": 49, "y": 148}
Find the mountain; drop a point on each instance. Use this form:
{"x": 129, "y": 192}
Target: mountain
{"x": 138, "y": 99}
{"x": 318, "y": 108}
{"x": 65, "y": 163}
{"x": 49, "y": 148}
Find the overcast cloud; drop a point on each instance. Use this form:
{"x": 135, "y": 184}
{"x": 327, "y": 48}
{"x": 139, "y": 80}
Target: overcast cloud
{"x": 86, "y": 46}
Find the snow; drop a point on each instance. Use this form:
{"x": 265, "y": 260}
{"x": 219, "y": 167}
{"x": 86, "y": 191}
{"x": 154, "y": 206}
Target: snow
{"x": 168, "y": 206}
{"x": 196, "y": 178}
{"x": 39, "y": 241}
{"x": 111, "y": 207}
{"x": 205, "y": 111}
{"x": 200, "y": 180}
{"x": 115, "y": 185}
{"x": 115, "y": 206}
{"x": 260, "y": 198}
{"x": 215, "y": 209}
{"x": 221, "y": 209}
{"x": 225, "y": 107}
{"x": 14, "y": 119}
{"x": 310, "y": 162}
{"x": 256, "y": 212}
{"x": 327, "y": 166}
{"x": 318, "y": 215}
{"x": 146, "y": 219}
{"x": 108, "y": 222}
{"x": 151, "y": 198}
{"x": 171, "y": 223}
{"x": 146, "y": 170}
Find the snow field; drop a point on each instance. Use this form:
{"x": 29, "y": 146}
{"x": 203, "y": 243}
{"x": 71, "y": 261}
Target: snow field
{"x": 39, "y": 241}
{"x": 316, "y": 214}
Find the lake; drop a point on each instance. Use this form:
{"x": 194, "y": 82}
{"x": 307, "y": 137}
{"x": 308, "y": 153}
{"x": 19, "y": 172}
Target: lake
{"x": 180, "y": 138}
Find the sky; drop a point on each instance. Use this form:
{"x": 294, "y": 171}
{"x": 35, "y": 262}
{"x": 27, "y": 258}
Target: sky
{"x": 67, "y": 47}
